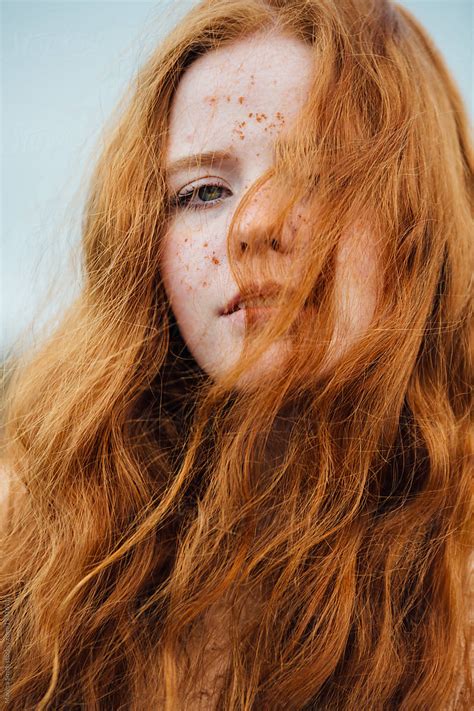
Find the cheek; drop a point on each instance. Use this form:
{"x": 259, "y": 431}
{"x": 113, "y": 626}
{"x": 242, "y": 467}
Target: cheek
{"x": 356, "y": 279}
{"x": 175, "y": 271}
{"x": 177, "y": 264}
{"x": 188, "y": 266}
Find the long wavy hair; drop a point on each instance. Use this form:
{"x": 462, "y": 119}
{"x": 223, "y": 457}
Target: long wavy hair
{"x": 300, "y": 543}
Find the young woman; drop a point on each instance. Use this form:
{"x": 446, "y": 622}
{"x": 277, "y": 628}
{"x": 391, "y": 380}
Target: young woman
{"x": 242, "y": 459}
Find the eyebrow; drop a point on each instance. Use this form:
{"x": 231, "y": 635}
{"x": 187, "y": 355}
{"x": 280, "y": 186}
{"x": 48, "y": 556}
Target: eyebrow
{"x": 198, "y": 160}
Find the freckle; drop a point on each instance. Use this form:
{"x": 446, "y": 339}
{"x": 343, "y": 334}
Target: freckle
{"x": 241, "y": 99}
{"x": 228, "y": 98}
{"x": 215, "y": 260}
{"x": 205, "y": 244}
{"x": 204, "y": 283}
{"x": 186, "y": 239}
{"x": 250, "y": 114}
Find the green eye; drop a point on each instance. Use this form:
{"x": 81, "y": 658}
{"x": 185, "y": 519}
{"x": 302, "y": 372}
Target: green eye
{"x": 201, "y": 196}
{"x": 209, "y": 192}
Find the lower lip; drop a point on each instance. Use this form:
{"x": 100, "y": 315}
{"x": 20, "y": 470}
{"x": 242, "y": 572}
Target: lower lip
{"x": 256, "y": 313}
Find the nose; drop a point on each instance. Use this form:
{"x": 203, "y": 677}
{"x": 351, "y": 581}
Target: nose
{"x": 259, "y": 224}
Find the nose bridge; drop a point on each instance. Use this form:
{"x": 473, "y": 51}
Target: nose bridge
{"x": 257, "y": 210}
{"x": 258, "y": 227}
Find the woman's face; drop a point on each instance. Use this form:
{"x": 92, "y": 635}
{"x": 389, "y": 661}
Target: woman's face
{"x": 228, "y": 109}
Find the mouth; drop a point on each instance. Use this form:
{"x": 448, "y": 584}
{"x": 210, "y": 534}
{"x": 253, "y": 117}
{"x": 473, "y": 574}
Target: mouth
{"x": 263, "y": 297}
{"x": 250, "y": 316}
{"x": 252, "y": 305}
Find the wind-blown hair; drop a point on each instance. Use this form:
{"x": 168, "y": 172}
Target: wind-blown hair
{"x": 314, "y": 525}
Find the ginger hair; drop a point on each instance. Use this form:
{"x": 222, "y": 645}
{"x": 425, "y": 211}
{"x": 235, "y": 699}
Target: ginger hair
{"x": 325, "y": 511}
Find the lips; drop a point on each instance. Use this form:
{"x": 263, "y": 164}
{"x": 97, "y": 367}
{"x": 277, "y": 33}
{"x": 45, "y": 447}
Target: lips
{"x": 258, "y": 296}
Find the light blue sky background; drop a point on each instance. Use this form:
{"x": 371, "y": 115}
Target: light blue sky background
{"x": 65, "y": 65}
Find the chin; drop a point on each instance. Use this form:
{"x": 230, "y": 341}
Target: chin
{"x": 266, "y": 367}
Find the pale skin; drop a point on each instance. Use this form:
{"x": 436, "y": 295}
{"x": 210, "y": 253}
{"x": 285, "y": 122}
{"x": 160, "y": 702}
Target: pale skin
{"x": 238, "y": 99}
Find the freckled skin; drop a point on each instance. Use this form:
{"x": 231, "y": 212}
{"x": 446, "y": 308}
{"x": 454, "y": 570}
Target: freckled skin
{"x": 265, "y": 79}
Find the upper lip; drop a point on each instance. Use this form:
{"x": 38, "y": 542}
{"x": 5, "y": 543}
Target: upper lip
{"x": 264, "y": 290}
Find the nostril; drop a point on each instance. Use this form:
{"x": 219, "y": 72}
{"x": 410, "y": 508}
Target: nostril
{"x": 243, "y": 246}
{"x": 275, "y": 245}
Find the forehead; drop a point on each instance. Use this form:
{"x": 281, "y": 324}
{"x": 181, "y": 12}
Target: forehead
{"x": 239, "y": 91}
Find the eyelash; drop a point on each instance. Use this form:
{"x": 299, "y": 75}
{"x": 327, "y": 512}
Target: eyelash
{"x": 183, "y": 200}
